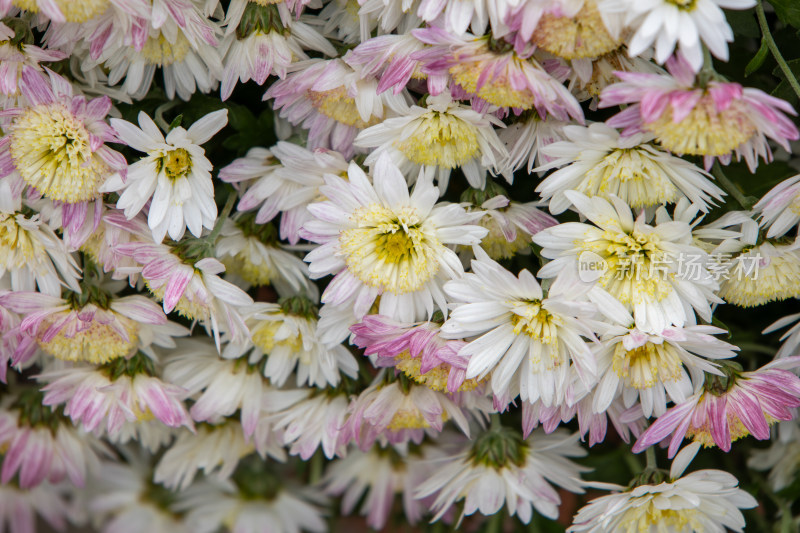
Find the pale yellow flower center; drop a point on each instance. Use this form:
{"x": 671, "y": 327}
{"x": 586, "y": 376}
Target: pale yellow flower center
{"x": 736, "y": 427}
{"x": 705, "y": 131}
{"x": 497, "y": 246}
{"x": 441, "y": 139}
{"x": 498, "y": 90}
{"x": 264, "y": 337}
{"x": 582, "y": 36}
{"x": 177, "y": 163}
{"x": 633, "y": 176}
{"x": 533, "y": 320}
{"x": 644, "y": 366}
{"x": 50, "y": 149}
{"x": 685, "y": 5}
{"x": 98, "y": 344}
{"x": 435, "y": 379}
{"x": 17, "y": 249}
{"x": 336, "y": 104}
{"x": 752, "y": 281}
{"x": 390, "y": 250}
{"x": 192, "y": 309}
{"x": 161, "y": 52}
{"x": 647, "y": 517}
{"x": 73, "y": 10}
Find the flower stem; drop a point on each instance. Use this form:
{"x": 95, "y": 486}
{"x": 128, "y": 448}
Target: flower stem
{"x": 496, "y": 424}
{"x": 222, "y": 216}
{"x": 729, "y": 186}
{"x": 784, "y": 66}
{"x": 650, "y": 455}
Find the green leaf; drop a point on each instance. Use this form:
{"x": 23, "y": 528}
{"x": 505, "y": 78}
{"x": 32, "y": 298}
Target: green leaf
{"x": 788, "y": 11}
{"x": 743, "y": 22}
{"x": 758, "y": 59}
{"x": 784, "y": 90}
{"x": 176, "y": 122}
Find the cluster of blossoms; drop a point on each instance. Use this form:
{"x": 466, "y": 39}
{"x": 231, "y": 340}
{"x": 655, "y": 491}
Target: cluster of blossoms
{"x": 415, "y": 280}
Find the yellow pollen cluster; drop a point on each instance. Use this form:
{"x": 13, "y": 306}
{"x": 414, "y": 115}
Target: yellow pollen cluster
{"x": 704, "y": 131}
{"x": 50, "y": 148}
{"x": 161, "y": 52}
{"x": 498, "y": 90}
{"x": 685, "y": 5}
{"x": 98, "y": 344}
{"x": 637, "y": 267}
{"x": 390, "y": 250}
{"x": 737, "y": 430}
{"x": 533, "y": 320}
{"x": 633, "y": 176}
{"x": 191, "y": 309}
{"x": 441, "y": 139}
{"x": 582, "y": 36}
{"x": 17, "y": 249}
{"x": 264, "y": 337}
{"x": 410, "y": 418}
{"x": 434, "y": 379}
{"x": 177, "y": 163}
{"x": 644, "y": 366}
{"x": 648, "y": 517}
{"x": 266, "y": 3}
{"x": 73, "y": 10}
{"x": 496, "y": 245}
{"x": 337, "y": 105}
{"x": 774, "y": 279}
{"x": 258, "y": 274}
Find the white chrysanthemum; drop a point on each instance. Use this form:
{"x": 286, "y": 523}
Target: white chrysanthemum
{"x": 441, "y": 136}
{"x": 33, "y": 256}
{"x": 524, "y": 141}
{"x": 650, "y": 367}
{"x": 790, "y": 339}
{"x": 656, "y": 271}
{"x": 379, "y": 240}
{"x": 780, "y": 207}
{"x": 761, "y": 274}
{"x": 253, "y": 252}
{"x": 175, "y": 174}
{"x": 286, "y": 334}
{"x": 519, "y": 476}
{"x": 597, "y": 162}
{"x": 19, "y": 508}
{"x": 522, "y": 336}
{"x": 705, "y": 500}
{"x": 667, "y": 24}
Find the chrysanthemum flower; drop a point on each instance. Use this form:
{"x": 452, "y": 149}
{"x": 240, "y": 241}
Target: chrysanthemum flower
{"x": 378, "y": 475}
{"x": 500, "y": 469}
{"x": 57, "y": 144}
{"x": 495, "y": 73}
{"x": 286, "y": 334}
{"x": 779, "y": 209}
{"x": 332, "y": 100}
{"x": 457, "y": 17}
{"x": 17, "y": 58}
{"x": 175, "y": 174}
{"x": 123, "y": 390}
{"x": 522, "y": 336}
{"x": 667, "y": 24}
{"x": 524, "y": 140}
{"x": 252, "y": 252}
{"x": 194, "y": 290}
{"x": 41, "y": 445}
{"x": 597, "y": 162}
{"x": 60, "y": 11}
{"x": 417, "y": 350}
{"x": 570, "y": 29}
{"x": 397, "y": 413}
{"x": 34, "y": 257}
{"x": 761, "y": 274}
{"x": 705, "y": 500}
{"x": 441, "y": 136}
{"x": 21, "y": 508}
{"x": 645, "y": 366}
{"x": 90, "y": 326}
{"x": 715, "y": 120}
{"x": 654, "y": 270}
{"x": 379, "y": 240}
{"x": 729, "y": 408}
{"x": 284, "y": 179}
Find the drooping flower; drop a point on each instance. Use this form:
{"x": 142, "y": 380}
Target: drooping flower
{"x": 779, "y": 209}
{"x": 57, "y": 143}
{"x": 175, "y": 176}
{"x": 596, "y": 161}
{"x": 761, "y": 274}
{"x": 440, "y": 137}
{"x": 730, "y": 407}
{"x": 705, "y": 500}
{"x": 654, "y": 270}
{"x": 378, "y": 239}
{"x": 500, "y": 469}
{"x": 18, "y": 56}
{"x": 715, "y": 120}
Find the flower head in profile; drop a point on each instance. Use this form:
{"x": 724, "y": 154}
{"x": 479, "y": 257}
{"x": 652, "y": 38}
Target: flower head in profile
{"x": 174, "y": 176}
{"x": 779, "y": 209}
{"x": 377, "y": 239}
{"x": 502, "y": 470}
{"x": 705, "y": 500}
{"x": 57, "y": 143}
{"x": 761, "y": 274}
{"x": 730, "y": 407}
{"x": 596, "y": 161}
{"x": 61, "y": 11}
{"x": 715, "y": 120}
{"x": 441, "y": 136}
